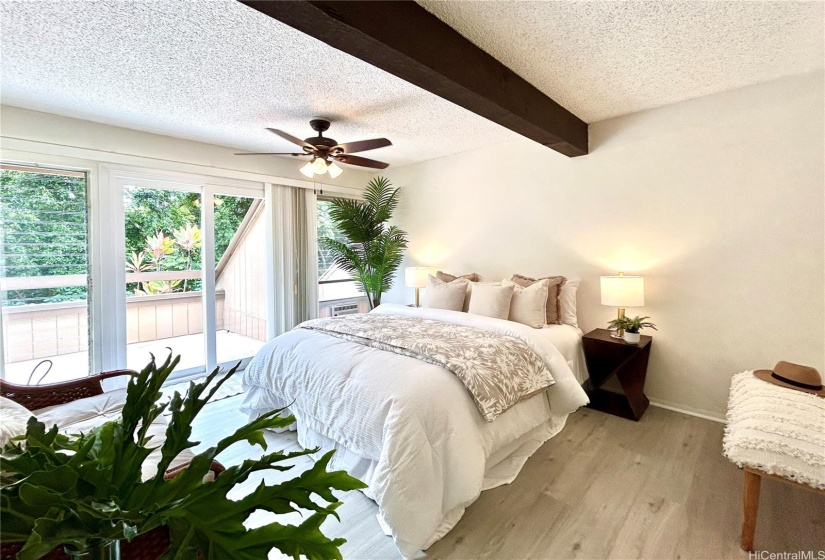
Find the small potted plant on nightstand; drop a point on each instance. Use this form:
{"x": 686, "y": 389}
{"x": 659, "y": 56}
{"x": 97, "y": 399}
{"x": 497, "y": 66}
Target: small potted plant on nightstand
{"x": 632, "y": 327}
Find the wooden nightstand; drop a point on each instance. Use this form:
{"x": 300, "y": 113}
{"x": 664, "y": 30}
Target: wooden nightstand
{"x": 607, "y": 356}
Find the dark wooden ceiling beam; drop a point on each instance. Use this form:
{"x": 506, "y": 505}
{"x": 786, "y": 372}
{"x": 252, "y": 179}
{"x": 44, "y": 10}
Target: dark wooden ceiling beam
{"x": 407, "y": 41}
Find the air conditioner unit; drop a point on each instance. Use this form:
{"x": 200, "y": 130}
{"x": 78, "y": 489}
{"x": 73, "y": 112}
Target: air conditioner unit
{"x": 345, "y": 309}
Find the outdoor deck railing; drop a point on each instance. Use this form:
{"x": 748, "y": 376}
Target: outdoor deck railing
{"x": 44, "y": 330}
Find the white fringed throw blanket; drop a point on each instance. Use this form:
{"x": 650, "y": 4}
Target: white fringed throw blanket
{"x": 776, "y": 430}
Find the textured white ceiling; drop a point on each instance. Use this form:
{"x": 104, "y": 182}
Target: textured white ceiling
{"x": 602, "y": 59}
{"x": 217, "y": 72}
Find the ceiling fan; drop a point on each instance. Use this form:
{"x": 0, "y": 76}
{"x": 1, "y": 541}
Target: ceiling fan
{"x": 326, "y": 151}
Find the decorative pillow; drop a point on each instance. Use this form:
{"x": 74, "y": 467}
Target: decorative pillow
{"x": 491, "y": 300}
{"x": 445, "y": 295}
{"x": 469, "y": 295}
{"x": 568, "y": 302}
{"x": 15, "y": 417}
{"x": 447, "y": 277}
{"x": 529, "y": 305}
{"x": 553, "y": 304}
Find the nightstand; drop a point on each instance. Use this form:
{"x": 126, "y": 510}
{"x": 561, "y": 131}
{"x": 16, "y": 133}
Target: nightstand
{"x": 607, "y": 356}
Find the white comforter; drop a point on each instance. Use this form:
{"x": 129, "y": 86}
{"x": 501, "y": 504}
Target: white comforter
{"x": 430, "y": 450}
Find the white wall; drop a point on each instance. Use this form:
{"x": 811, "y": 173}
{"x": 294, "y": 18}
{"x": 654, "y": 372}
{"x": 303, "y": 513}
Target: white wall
{"x": 28, "y": 134}
{"x": 717, "y": 201}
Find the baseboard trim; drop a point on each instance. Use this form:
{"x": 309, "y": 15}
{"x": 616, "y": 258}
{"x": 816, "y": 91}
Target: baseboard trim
{"x": 706, "y": 415}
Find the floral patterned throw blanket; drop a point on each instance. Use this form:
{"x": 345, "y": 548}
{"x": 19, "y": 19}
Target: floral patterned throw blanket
{"x": 498, "y": 370}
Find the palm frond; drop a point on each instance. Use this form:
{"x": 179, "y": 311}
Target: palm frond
{"x": 381, "y": 198}
{"x": 373, "y": 251}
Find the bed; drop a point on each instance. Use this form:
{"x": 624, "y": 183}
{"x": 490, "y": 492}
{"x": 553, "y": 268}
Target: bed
{"x": 408, "y": 428}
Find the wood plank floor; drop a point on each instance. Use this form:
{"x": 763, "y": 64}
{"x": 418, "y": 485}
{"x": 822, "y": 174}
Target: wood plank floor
{"x": 604, "y": 488}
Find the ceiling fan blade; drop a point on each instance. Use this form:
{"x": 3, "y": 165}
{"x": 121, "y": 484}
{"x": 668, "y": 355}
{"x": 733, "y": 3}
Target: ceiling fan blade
{"x": 363, "y": 145}
{"x": 290, "y": 138}
{"x": 362, "y": 161}
{"x": 273, "y": 154}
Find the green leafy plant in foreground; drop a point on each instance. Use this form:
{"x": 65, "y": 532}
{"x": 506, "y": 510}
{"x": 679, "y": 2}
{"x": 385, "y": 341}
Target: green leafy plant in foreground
{"x": 633, "y": 325}
{"x": 79, "y": 491}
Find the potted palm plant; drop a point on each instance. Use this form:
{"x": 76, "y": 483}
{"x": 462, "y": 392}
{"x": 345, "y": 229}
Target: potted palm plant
{"x": 632, "y": 327}
{"x": 373, "y": 250}
{"x": 86, "y": 493}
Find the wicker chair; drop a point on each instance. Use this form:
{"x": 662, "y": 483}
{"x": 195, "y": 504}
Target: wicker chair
{"x": 149, "y": 546}
{"x": 35, "y": 397}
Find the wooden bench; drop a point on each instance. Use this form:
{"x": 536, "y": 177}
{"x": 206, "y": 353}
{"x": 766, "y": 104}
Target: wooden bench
{"x": 773, "y": 432}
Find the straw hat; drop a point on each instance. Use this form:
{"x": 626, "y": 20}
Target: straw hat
{"x": 793, "y": 376}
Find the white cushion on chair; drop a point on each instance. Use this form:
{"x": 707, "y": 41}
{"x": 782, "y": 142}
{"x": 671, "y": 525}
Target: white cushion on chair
{"x": 83, "y": 414}
{"x": 13, "y": 419}
{"x": 776, "y": 430}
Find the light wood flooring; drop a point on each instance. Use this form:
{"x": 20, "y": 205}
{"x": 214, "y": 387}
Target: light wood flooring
{"x": 605, "y": 487}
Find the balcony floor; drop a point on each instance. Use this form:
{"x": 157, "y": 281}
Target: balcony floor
{"x": 230, "y": 346}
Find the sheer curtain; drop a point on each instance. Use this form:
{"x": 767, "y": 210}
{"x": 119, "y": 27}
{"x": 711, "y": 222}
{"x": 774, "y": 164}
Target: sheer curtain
{"x": 293, "y": 278}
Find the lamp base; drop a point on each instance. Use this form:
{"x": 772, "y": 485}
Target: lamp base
{"x": 619, "y": 332}
{"x": 417, "y": 303}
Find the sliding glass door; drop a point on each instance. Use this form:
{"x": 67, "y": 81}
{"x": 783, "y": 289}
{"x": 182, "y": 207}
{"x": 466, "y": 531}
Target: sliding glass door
{"x": 163, "y": 282}
{"x": 193, "y": 272}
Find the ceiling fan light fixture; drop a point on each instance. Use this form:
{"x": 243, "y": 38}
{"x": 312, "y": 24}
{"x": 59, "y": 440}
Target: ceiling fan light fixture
{"x": 322, "y": 149}
{"x": 334, "y": 170}
{"x": 319, "y": 166}
{"x": 307, "y": 171}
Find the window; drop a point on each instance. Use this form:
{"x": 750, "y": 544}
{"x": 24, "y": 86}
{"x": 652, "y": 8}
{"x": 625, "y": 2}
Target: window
{"x": 335, "y": 286}
{"x": 44, "y": 274}
{"x": 179, "y": 263}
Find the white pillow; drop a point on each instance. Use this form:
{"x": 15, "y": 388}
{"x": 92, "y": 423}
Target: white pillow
{"x": 568, "y": 302}
{"x": 14, "y": 419}
{"x": 445, "y": 295}
{"x": 469, "y": 295}
{"x": 529, "y": 304}
{"x": 491, "y": 300}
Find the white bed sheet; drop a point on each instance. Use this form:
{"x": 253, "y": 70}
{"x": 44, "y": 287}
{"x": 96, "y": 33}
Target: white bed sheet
{"x": 407, "y": 428}
{"x": 568, "y": 339}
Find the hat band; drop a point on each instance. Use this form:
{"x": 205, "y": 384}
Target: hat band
{"x": 796, "y": 383}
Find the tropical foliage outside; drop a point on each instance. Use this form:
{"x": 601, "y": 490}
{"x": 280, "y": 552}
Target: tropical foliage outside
{"x": 43, "y": 232}
{"x": 163, "y": 233}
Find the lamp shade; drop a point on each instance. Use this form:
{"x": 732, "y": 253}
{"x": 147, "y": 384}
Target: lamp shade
{"x": 623, "y": 291}
{"x": 416, "y": 276}
{"x": 334, "y": 170}
{"x": 307, "y": 170}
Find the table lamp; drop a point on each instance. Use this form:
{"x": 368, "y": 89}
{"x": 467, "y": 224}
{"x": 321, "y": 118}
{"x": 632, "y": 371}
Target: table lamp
{"x": 623, "y": 291}
{"x": 416, "y": 277}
